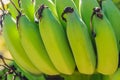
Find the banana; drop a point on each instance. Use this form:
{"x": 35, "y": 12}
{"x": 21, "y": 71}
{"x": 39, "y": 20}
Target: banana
{"x": 113, "y": 15}
{"x": 106, "y": 43}
{"x": 28, "y": 9}
{"x": 13, "y": 43}
{"x": 4, "y": 51}
{"x": 86, "y": 11}
{"x": 80, "y": 42}
{"x": 55, "y": 41}
{"x": 116, "y": 75}
{"x": 78, "y": 3}
{"x": 48, "y": 3}
{"x": 12, "y": 9}
{"x": 61, "y": 5}
{"x": 17, "y": 3}
{"x": 34, "y": 47}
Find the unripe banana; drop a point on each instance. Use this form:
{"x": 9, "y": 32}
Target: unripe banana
{"x": 113, "y": 15}
{"x": 12, "y": 9}
{"x": 34, "y": 47}
{"x": 106, "y": 44}
{"x": 13, "y": 43}
{"x": 61, "y": 5}
{"x": 17, "y": 3}
{"x": 86, "y": 11}
{"x": 78, "y": 4}
{"x": 116, "y": 75}
{"x": 55, "y": 41}
{"x": 48, "y": 3}
{"x": 28, "y": 9}
{"x": 80, "y": 42}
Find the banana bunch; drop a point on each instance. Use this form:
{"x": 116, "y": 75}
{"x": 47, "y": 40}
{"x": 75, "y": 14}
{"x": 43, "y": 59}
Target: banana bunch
{"x": 55, "y": 37}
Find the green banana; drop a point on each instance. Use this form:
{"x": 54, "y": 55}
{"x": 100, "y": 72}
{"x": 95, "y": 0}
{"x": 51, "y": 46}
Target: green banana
{"x": 113, "y": 15}
{"x": 116, "y": 75}
{"x": 48, "y": 3}
{"x": 61, "y": 5}
{"x": 13, "y": 43}
{"x": 28, "y": 9}
{"x": 55, "y": 41}
{"x": 34, "y": 47}
{"x": 17, "y": 3}
{"x": 12, "y": 10}
{"x": 106, "y": 43}
{"x": 78, "y": 5}
{"x": 86, "y": 11}
{"x": 80, "y": 42}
